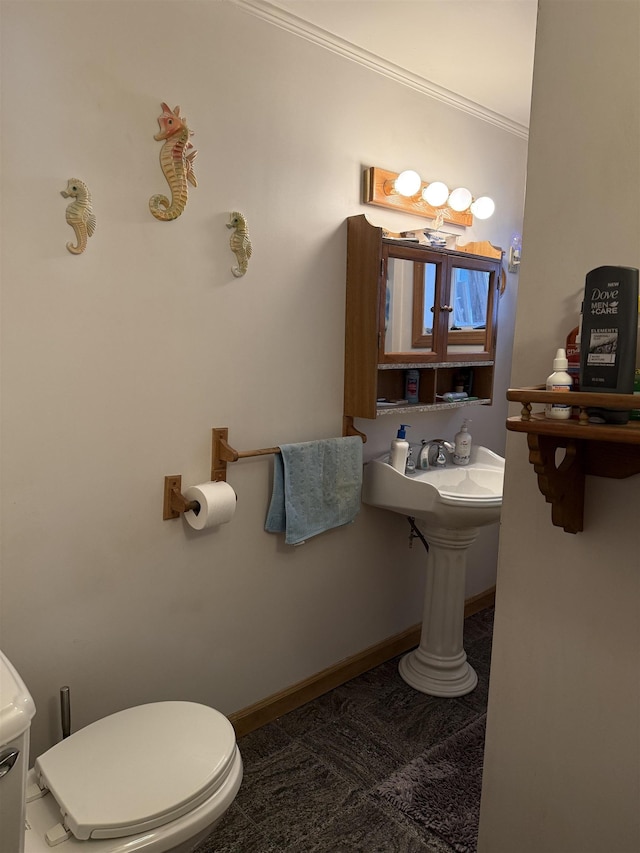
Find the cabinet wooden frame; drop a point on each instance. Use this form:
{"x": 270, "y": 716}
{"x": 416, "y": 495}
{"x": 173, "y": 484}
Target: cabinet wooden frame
{"x": 367, "y": 365}
{"x": 430, "y": 345}
{"x": 420, "y": 339}
{"x": 442, "y": 302}
{"x": 434, "y": 347}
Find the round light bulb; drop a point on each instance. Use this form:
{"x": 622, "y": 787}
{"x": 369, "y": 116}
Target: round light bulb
{"x": 483, "y": 207}
{"x": 436, "y": 194}
{"x": 460, "y": 199}
{"x": 407, "y": 183}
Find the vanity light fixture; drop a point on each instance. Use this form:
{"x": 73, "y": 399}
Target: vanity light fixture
{"x": 407, "y": 184}
{"x": 436, "y": 193}
{"x": 408, "y": 192}
{"x": 483, "y": 207}
{"x": 460, "y": 199}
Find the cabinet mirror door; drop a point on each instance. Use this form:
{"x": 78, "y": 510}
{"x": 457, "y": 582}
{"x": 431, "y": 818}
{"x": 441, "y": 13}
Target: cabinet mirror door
{"x": 406, "y": 280}
{"x": 411, "y": 289}
{"x": 470, "y": 307}
{"x": 463, "y": 308}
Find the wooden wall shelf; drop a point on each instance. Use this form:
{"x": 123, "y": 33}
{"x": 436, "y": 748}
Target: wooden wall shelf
{"x": 601, "y": 450}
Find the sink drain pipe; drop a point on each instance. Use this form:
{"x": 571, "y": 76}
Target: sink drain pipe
{"x": 416, "y": 532}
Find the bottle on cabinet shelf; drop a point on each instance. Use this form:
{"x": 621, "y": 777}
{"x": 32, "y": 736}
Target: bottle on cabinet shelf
{"x": 411, "y": 386}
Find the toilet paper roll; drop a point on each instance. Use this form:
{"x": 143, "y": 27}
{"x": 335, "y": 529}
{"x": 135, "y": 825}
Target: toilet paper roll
{"x": 217, "y": 504}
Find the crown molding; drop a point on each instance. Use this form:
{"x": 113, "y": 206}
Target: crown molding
{"x": 293, "y": 24}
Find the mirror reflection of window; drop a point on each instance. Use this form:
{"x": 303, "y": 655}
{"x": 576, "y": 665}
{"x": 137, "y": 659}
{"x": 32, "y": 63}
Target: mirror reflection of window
{"x": 429, "y": 298}
{"x": 469, "y": 297}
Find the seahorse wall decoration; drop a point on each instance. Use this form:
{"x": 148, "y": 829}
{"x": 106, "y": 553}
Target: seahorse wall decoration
{"x": 176, "y": 160}
{"x": 239, "y": 242}
{"x": 80, "y": 215}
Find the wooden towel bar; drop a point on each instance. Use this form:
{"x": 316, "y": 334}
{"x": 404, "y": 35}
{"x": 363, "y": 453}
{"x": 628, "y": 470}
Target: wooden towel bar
{"x": 222, "y": 452}
{"x": 174, "y": 502}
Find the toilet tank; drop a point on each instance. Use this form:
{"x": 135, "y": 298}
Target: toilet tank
{"x": 16, "y": 712}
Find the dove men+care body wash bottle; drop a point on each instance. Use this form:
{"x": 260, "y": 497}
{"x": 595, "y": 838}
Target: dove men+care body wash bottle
{"x": 608, "y": 339}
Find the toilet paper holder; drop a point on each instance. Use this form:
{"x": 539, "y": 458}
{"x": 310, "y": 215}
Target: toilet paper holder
{"x": 175, "y": 502}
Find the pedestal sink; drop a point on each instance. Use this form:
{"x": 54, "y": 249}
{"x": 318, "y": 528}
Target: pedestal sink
{"x": 453, "y": 502}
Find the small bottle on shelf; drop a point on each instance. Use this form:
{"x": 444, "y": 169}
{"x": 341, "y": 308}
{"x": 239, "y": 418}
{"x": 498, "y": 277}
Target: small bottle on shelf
{"x": 411, "y": 386}
{"x": 559, "y": 380}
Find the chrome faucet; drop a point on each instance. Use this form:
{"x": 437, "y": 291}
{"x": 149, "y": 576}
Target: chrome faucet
{"x": 425, "y": 457}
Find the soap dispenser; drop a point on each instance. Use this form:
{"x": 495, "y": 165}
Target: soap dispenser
{"x": 400, "y": 449}
{"x": 462, "y": 449}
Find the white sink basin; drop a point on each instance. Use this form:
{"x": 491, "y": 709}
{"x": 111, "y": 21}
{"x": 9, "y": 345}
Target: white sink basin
{"x": 452, "y": 497}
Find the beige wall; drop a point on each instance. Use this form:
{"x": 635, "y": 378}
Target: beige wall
{"x": 563, "y": 740}
{"x": 117, "y": 363}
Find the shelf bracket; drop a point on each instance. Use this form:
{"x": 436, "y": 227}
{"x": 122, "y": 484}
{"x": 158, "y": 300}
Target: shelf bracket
{"x": 597, "y": 450}
{"x": 348, "y": 428}
{"x": 562, "y": 484}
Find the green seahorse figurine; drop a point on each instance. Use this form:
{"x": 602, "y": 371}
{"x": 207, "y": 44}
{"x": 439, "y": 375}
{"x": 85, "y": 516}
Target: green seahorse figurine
{"x": 239, "y": 242}
{"x": 80, "y": 214}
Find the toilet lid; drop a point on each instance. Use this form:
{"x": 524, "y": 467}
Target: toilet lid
{"x": 139, "y": 768}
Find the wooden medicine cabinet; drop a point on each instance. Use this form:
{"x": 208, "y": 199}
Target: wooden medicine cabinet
{"x": 412, "y": 306}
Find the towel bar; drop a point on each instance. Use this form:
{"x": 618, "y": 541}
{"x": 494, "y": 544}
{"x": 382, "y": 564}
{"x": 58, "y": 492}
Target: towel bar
{"x": 222, "y": 452}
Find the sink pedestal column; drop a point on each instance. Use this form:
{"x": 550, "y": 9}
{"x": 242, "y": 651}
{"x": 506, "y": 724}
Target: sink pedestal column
{"x": 439, "y": 665}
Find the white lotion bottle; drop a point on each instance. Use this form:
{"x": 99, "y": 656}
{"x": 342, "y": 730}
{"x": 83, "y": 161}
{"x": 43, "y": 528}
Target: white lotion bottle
{"x": 462, "y": 449}
{"x": 559, "y": 380}
{"x": 399, "y": 450}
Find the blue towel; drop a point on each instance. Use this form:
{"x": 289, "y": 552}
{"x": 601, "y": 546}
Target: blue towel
{"x": 316, "y": 486}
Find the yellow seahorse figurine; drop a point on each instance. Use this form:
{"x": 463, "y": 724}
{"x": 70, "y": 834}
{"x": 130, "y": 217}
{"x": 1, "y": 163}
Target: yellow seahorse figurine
{"x": 80, "y": 215}
{"x": 176, "y": 161}
{"x": 239, "y": 242}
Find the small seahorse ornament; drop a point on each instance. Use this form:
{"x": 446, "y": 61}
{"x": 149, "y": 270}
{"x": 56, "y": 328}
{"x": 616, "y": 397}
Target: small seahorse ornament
{"x": 80, "y": 214}
{"x": 176, "y": 160}
{"x": 239, "y": 242}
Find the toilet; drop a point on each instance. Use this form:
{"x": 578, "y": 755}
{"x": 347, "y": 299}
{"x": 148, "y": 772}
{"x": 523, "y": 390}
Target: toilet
{"x": 155, "y": 778}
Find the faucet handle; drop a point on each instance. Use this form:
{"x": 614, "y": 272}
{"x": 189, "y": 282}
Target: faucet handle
{"x": 441, "y": 444}
{"x": 410, "y": 465}
{"x": 423, "y": 457}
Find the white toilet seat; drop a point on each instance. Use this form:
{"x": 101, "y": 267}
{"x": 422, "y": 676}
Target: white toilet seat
{"x": 138, "y": 769}
{"x": 179, "y": 836}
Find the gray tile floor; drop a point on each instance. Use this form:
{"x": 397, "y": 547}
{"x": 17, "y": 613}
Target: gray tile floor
{"x": 309, "y": 776}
